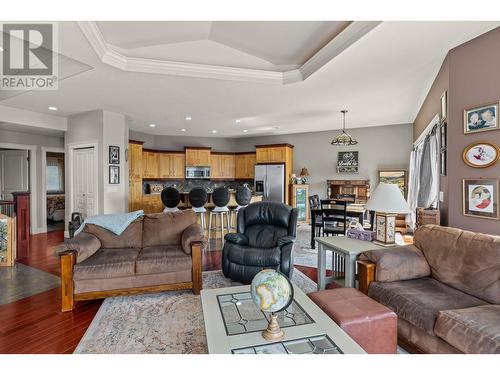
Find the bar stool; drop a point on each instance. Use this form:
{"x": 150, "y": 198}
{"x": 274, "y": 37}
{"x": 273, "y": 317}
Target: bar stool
{"x": 243, "y": 198}
{"x": 220, "y": 197}
{"x": 171, "y": 198}
{"x": 198, "y": 197}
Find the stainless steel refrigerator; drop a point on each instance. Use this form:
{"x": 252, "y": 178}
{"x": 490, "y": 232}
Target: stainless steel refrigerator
{"x": 270, "y": 182}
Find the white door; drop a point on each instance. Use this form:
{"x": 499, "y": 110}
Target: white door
{"x": 84, "y": 175}
{"x": 14, "y": 172}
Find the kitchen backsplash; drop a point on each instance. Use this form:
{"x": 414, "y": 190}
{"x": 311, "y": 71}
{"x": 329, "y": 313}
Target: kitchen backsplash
{"x": 187, "y": 185}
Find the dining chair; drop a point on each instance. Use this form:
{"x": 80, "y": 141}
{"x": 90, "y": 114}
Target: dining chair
{"x": 315, "y": 203}
{"x": 334, "y": 218}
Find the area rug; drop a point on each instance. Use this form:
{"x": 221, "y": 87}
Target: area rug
{"x": 168, "y": 322}
{"x": 21, "y": 281}
{"x": 303, "y": 254}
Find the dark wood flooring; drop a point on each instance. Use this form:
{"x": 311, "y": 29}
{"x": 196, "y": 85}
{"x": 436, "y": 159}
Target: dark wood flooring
{"x": 36, "y": 324}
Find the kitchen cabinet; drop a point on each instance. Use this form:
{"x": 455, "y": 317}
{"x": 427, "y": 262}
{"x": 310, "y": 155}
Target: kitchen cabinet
{"x": 135, "y": 195}
{"x": 152, "y": 204}
{"x": 150, "y": 164}
{"x": 273, "y": 153}
{"x": 171, "y": 165}
{"x": 197, "y": 157}
{"x": 135, "y": 161}
{"x": 222, "y": 165}
{"x": 245, "y": 166}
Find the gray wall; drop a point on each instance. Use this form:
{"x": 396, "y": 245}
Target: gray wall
{"x": 379, "y": 147}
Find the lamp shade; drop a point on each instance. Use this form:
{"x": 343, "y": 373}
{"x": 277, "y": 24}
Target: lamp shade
{"x": 304, "y": 172}
{"x": 388, "y": 198}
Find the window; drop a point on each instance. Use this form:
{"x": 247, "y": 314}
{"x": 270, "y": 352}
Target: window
{"x": 55, "y": 174}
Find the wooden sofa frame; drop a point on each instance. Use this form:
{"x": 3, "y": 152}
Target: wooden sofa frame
{"x": 366, "y": 274}
{"x": 68, "y": 297}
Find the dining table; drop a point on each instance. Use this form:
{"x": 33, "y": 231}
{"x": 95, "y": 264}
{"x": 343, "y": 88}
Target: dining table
{"x": 354, "y": 210}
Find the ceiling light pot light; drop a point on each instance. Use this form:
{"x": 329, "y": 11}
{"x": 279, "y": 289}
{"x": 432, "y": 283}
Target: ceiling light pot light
{"x": 214, "y": 131}
{"x": 245, "y": 131}
{"x": 183, "y": 130}
{"x": 344, "y": 138}
{"x": 188, "y": 118}
{"x": 152, "y": 125}
{"x": 52, "y": 108}
{"x": 237, "y": 121}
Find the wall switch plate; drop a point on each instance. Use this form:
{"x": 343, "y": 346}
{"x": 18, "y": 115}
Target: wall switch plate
{"x": 441, "y": 196}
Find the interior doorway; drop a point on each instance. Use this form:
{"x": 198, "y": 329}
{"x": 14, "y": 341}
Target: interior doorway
{"x": 14, "y": 172}
{"x": 55, "y": 190}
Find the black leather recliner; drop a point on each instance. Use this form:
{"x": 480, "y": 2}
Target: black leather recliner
{"x": 265, "y": 239}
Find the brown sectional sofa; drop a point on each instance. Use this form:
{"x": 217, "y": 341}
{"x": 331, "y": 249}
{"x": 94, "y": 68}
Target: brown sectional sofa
{"x": 156, "y": 252}
{"x": 445, "y": 289}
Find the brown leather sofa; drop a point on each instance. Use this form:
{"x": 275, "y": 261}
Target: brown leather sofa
{"x": 155, "y": 253}
{"x": 445, "y": 289}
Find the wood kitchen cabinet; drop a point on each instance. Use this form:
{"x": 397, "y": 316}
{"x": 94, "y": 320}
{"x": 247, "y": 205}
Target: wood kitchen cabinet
{"x": 245, "y": 166}
{"x": 273, "y": 153}
{"x": 171, "y": 165}
{"x": 150, "y": 164}
{"x": 135, "y": 195}
{"x": 152, "y": 204}
{"x": 222, "y": 165}
{"x": 197, "y": 156}
{"x": 135, "y": 160}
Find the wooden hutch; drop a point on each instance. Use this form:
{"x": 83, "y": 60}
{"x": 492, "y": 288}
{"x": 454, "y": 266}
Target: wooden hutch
{"x": 360, "y": 188}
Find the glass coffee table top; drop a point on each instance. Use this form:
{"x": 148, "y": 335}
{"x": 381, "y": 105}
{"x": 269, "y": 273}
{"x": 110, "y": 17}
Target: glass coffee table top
{"x": 241, "y": 315}
{"x": 307, "y": 345}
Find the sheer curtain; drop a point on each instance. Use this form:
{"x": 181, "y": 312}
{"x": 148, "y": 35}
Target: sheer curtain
{"x": 423, "y": 181}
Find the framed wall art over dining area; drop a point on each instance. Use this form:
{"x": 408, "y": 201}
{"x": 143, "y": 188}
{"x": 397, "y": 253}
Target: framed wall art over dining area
{"x": 480, "y": 198}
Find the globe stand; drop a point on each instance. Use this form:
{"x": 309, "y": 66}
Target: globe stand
{"x": 273, "y": 331}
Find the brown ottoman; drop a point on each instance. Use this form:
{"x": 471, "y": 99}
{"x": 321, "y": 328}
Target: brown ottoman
{"x": 372, "y": 325}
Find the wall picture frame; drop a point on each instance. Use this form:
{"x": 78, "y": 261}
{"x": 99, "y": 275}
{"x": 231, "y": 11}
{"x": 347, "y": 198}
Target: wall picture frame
{"x": 480, "y": 198}
{"x": 394, "y": 176}
{"x": 114, "y": 155}
{"x": 481, "y": 154}
{"x": 114, "y": 175}
{"x": 481, "y": 119}
{"x": 444, "y": 106}
{"x": 348, "y": 162}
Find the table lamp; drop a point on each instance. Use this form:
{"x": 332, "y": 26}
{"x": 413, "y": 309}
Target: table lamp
{"x": 387, "y": 201}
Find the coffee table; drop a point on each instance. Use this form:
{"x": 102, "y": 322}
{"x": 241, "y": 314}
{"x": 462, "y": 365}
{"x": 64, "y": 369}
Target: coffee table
{"x": 234, "y": 325}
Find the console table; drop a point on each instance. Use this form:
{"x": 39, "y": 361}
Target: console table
{"x": 345, "y": 251}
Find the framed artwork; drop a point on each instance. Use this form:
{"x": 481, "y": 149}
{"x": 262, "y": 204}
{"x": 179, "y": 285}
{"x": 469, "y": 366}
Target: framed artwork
{"x": 114, "y": 155}
{"x": 394, "y": 176}
{"x": 443, "y": 140}
{"x": 442, "y": 162}
{"x": 348, "y": 162}
{"x": 444, "y": 106}
{"x": 114, "y": 174}
{"x": 480, "y": 198}
{"x": 481, "y": 154}
{"x": 481, "y": 119}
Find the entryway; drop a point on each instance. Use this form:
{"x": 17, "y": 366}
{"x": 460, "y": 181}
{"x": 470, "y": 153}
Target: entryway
{"x": 55, "y": 188}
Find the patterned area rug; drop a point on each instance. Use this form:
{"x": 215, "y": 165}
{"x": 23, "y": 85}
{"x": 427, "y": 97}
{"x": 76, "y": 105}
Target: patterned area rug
{"x": 303, "y": 254}
{"x": 169, "y": 322}
{"x": 21, "y": 281}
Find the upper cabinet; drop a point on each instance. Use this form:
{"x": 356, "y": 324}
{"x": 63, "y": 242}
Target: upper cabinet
{"x": 135, "y": 161}
{"x": 150, "y": 164}
{"x": 171, "y": 165}
{"x": 222, "y": 165}
{"x": 273, "y": 153}
{"x": 245, "y": 166}
{"x": 197, "y": 156}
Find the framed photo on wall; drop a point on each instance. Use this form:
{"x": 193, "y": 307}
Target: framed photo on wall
{"x": 348, "y": 162}
{"x": 444, "y": 106}
{"x": 480, "y": 198}
{"x": 481, "y": 119}
{"x": 114, "y": 155}
{"x": 114, "y": 175}
{"x": 394, "y": 176}
{"x": 481, "y": 154}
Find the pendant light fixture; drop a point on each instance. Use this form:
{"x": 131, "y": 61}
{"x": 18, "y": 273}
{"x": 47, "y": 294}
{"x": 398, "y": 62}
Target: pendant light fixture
{"x": 343, "y": 139}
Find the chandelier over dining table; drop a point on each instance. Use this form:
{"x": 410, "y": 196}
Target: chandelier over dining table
{"x": 343, "y": 139}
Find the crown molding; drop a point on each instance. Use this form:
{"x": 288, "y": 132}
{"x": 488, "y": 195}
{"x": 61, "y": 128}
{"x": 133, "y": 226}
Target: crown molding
{"x": 352, "y": 33}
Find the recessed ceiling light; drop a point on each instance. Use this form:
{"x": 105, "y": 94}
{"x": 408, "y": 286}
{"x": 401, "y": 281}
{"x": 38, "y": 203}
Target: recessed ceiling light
{"x": 183, "y": 130}
{"x": 1, "y": 49}
{"x": 237, "y": 121}
{"x": 214, "y": 131}
{"x": 245, "y": 131}
{"x": 152, "y": 125}
{"x": 52, "y": 108}
{"x": 188, "y": 118}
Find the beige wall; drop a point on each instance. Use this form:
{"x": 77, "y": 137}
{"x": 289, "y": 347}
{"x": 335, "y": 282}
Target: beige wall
{"x": 473, "y": 74}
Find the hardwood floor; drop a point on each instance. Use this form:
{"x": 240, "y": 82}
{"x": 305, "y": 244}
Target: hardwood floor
{"x": 36, "y": 324}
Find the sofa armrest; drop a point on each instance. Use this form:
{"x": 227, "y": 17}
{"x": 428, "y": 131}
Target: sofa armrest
{"x": 83, "y": 246}
{"x": 196, "y": 265}
{"x": 285, "y": 241}
{"x": 366, "y": 274}
{"x": 193, "y": 234}
{"x": 237, "y": 238}
{"x": 397, "y": 263}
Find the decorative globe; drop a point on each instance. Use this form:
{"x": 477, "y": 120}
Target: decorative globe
{"x": 271, "y": 291}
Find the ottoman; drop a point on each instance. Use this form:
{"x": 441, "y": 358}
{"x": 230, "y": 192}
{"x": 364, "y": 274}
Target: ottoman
{"x": 372, "y": 325}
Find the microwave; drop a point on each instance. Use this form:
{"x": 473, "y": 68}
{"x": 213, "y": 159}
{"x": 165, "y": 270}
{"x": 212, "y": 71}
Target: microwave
{"x": 198, "y": 172}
